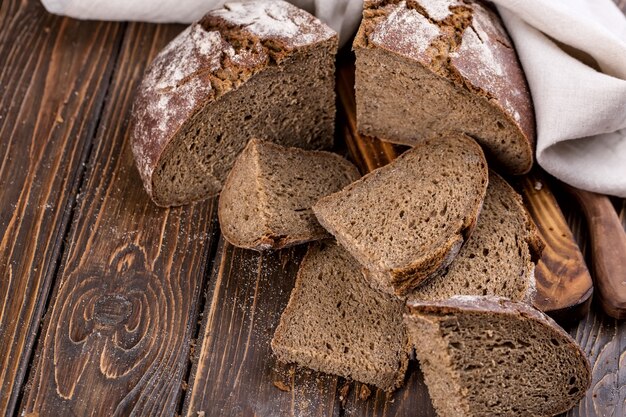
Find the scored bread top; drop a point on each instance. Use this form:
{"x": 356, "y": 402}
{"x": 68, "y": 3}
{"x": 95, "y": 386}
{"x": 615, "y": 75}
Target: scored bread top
{"x": 406, "y": 221}
{"x": 267, "y": 198}
{"x": 499, "y": 257}
{"x": 208, "y": 59}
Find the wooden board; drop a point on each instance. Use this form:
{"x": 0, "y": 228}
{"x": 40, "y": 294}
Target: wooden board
{"x": 54, "y": 74}
{"x": 118, "y": 332}
{"x": 564, "y": 285}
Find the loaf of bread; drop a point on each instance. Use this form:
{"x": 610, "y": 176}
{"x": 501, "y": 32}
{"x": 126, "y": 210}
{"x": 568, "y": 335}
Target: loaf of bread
{"x": 500, "y": 256}
{"x": 427, "y": 66}
{"x": 336, "y": 323}
{"x": 256, "y": 69}
{"x": 489, "y": 356}
{"x": 267, "y": 198}
{"x": 405, "y": 222}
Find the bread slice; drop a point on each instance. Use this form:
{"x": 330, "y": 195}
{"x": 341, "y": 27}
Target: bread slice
{"x": 406, "y": 221}
{"x": 489, "y": 356}
{"x": 267, "y": 198}
{"x": 428, "y": 66}
{"x": 500, "y": 256}
{"x": 261, "y": 69}
{"x": 336, "y": 323}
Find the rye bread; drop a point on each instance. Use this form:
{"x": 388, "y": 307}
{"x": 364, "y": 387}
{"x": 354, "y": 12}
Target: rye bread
{"x": 489, "y": 356}
{"x": 266, "y": 200}
{"x": 336, "y": 323}
{"x": 427, "y": 66}
{"x": 256, "y": 69}
{"x": 500, "y": 256}
{"x": 405, "y": 222}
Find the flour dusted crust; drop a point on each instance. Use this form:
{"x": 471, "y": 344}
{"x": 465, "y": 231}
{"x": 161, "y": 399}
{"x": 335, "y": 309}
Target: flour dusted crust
{"x": 201, "y": 64}
{"x": 463, "y": 42}
{"x": 487, "y": 60}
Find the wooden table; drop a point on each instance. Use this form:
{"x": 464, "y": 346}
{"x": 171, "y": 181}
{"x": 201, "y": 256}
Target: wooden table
{"x": 112, "y": 306}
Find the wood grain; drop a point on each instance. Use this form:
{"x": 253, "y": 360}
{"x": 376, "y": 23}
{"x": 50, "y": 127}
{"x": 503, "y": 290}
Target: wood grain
{"x": 118, "y": 332}
{"x": 608, "y": 250}
{"x": 604, "y": 341}
{"x": 564, "y": 285}
{"x": 236, "y": 373}
{"x": 54, "y": 74}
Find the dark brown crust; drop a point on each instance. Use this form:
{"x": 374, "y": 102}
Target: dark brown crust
{"x": 202, "y": 54}
{"x": 498, "y": 306}
{"x": 507, "y": 92}
{"x": 405, "y": 280}
{"x": 271, "y": 240}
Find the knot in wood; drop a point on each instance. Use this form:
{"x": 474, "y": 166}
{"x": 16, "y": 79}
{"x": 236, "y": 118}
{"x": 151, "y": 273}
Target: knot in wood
{"x": 112, "y": 309}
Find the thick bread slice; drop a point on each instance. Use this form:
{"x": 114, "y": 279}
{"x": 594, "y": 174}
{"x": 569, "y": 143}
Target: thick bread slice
{"x": 427, "y": 66}
{"x": 253, "y": 69}
{"x": 336, "y": 323}
{"x": 267, "y": 197}
{"x": 406, "y": 221}
{"x": 489, "y": 356}
{"x": 500, "y": 256}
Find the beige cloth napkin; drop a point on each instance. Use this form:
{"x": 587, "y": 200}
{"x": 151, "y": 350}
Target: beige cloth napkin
{"x": 341, "y": 15}
{"x": 574, "y": 56}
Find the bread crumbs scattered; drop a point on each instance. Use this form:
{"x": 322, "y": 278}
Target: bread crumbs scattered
{"x": 60, "y": 119}
{"x": 365, "y": 392}
{"x": 282, "y": 386}
{"x": 538, "y": 185}
{"x": 200, "y": 413}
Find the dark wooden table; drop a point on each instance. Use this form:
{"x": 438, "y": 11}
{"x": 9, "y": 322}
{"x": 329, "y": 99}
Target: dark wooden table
{"x": 112, "y": 306}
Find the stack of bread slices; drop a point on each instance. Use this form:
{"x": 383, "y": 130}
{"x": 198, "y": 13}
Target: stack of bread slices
{"x": 433, "y": 253}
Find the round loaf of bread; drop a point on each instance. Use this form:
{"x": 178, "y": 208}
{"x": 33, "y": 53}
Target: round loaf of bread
{"x": 260, "y": 69}
{"x": 429, "y": 66}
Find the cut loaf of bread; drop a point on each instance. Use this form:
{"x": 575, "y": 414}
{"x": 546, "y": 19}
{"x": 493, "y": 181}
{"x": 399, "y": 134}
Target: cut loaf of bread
{"x": 490, "y": 357}
{"x": 336, "y": 323}
{"x": 428, "y": 66}
{"x": 267, "y": 197}
{"x": 405, "y": 222}
{"x": 255, "y": 69}
{"x": 500, "y": 256}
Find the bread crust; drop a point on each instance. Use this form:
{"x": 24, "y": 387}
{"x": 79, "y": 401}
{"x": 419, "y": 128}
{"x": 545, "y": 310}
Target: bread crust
{"x": 472, "y": 51}
{"x": 270, "y": 239}
{"x": 406, "y": 278}
{"x": 203, "y": 64}
{"x": 501, "y": 306}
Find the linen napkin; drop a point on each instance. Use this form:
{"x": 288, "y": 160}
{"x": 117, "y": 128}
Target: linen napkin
{"x": 341, "y": 15}
{"x": 574, "y": 56}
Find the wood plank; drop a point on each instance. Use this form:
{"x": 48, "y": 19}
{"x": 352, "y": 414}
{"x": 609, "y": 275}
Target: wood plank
{"x": 53, "y": 79}
{"x": 236, "y": 373}
{"x": 118, "y": 332}
{"x": 604, "y": 341}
